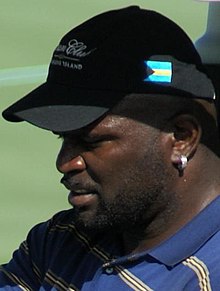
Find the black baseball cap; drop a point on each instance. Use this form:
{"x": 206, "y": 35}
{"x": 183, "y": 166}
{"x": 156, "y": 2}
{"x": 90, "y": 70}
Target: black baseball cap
{"x": 130, "y": 50}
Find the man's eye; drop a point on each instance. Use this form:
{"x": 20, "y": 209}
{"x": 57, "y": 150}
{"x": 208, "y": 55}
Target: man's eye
{"x": 94, "y": 142}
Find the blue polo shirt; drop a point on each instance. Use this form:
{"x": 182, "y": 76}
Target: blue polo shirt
{"x": 58, "y": 256}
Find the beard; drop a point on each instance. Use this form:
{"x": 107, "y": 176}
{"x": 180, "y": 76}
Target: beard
{"x": 142, "y": 197}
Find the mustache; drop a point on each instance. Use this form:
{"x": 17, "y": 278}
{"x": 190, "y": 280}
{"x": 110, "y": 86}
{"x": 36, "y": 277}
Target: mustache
{"x": 76, "y": 185}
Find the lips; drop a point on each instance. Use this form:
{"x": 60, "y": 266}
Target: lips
{"x": 81, "y": 198}
{"x": 81, "y": 195}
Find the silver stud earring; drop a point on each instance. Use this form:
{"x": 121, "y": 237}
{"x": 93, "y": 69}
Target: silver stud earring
{"x": 182, "y": 163}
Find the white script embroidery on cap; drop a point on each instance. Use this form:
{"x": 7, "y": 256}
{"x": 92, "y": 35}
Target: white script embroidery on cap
{"x": 73, "y": 51}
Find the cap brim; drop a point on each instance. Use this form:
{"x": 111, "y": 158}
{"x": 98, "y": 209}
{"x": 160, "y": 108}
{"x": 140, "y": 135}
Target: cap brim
{"x": 60, "y": 108}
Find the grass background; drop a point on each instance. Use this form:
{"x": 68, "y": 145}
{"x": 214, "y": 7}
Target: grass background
{"x": 30, "y": 29}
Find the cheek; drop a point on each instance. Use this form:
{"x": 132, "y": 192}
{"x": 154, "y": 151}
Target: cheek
{"x": 143, "y": 168}
{"x": 115, "y": 168}
{"x": 105, "y": 165}
{"x": 130, "y": 166}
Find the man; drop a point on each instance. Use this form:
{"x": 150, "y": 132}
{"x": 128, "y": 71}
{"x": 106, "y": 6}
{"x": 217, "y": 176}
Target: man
{"x": 128, "y": 95}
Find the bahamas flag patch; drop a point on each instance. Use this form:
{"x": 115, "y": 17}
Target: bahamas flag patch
{"x": 158, "y": 71}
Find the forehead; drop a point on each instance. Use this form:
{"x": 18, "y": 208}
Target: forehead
{"x": 133, "y": 111}
{"x": 111, "y": 123}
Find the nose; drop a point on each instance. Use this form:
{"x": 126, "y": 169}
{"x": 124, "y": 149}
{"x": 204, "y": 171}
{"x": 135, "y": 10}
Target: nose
{"x": 75, "y": 164}
{"x": 70, "y": 157}
{"x": 66, "y": 163}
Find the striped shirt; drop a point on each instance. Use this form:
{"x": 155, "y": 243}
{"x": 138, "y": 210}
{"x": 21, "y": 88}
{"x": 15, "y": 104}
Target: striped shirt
{"x": 58, "y": 256}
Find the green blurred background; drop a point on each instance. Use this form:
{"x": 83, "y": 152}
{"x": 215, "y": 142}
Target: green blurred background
{"x": 30, "y": 191}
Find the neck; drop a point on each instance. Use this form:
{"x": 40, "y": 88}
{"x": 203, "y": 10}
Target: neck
{"x": 140, "y": 239}
{"x": 194, "y": 191}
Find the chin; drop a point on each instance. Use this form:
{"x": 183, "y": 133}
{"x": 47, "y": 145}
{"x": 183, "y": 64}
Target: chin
{"x": 89, "y": 220}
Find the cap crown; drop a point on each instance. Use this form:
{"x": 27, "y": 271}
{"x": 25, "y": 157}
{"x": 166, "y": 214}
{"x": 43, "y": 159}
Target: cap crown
{"x": 111, "y": 50}
{"x": 96, "y": 64}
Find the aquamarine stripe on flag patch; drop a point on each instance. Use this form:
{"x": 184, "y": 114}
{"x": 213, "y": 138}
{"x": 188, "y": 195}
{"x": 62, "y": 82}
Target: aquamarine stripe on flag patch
{"x": 160, "y": 71}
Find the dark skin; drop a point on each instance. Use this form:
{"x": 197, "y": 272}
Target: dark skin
{"x": 122, "y": 173}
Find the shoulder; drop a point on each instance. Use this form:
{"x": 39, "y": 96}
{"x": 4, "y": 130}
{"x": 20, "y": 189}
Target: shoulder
{"x": 43, "y": 234}
{"x": 61, "y": 229}
{"x": 206, "y": 262}
{"x": 210, "y": 251}
{"x": 63, "y": 217}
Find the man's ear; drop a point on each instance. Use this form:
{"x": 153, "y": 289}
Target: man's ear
{"x": 186, "y": 137}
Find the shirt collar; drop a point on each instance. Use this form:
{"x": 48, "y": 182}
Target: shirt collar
{"x": 191, "y": 237}
{"x": 184, "y": 242}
